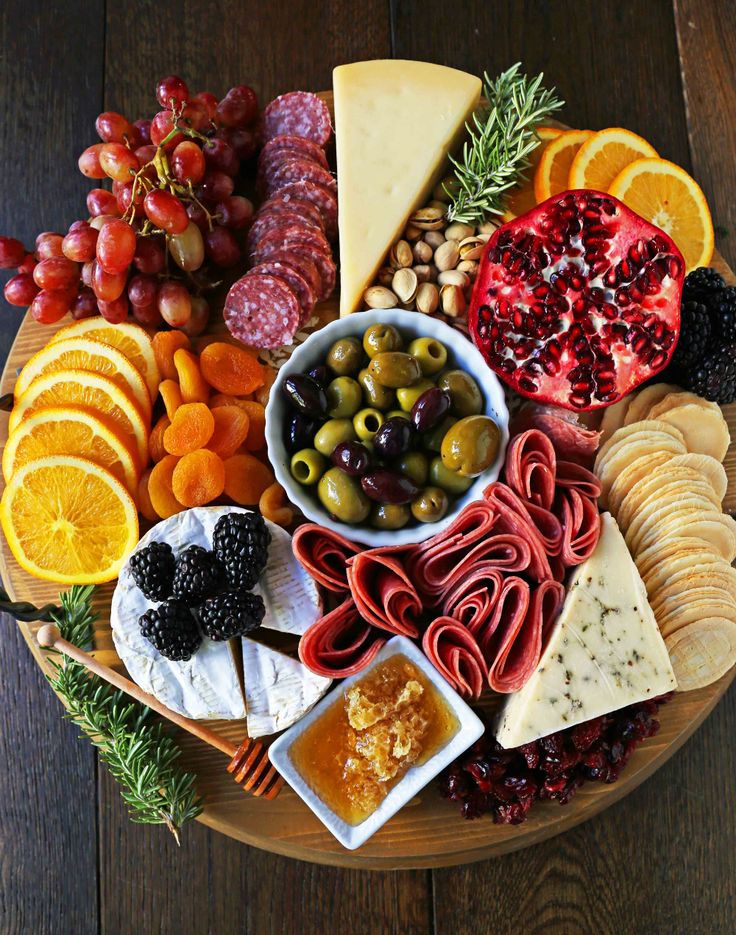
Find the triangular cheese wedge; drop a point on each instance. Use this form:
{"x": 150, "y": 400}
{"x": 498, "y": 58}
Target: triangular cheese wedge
{"x": 606, "y": 651}
{"x": 395, "y": 122}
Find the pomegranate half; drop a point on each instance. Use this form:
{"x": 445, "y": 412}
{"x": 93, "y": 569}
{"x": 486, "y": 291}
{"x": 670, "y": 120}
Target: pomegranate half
{"x": 577, "y": 301}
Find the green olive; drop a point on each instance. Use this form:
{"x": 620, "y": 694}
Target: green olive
{"x": 464, "y": 392}
{"x": 344, "y": 357}
{"x": 343, "y": 497}
{"x": 415, "y": 465}
{"x": 471, "y": 445}
{"x": 430, "y": 506}
{"x": 397, "y": 414}
{"x": 433, "y": 439}
{"x": 408, "y": 395}
{"x": 380, "y": 338}
{"x": 366, "y": 423}
{"x": 332, "y": 433}
{"x": 307, "y": 466}
{"x": 377, "y": 395}
{"x": 344, "y": 398}
{"x": 450, "y": 481}
{"x": 431, "y": 354}
{"x": 390, "y": 515}
{"x": 394, "y": 369}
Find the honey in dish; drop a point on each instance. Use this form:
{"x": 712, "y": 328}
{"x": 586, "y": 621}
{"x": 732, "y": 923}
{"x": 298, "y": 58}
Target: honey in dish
{"x": 359, "y": 749}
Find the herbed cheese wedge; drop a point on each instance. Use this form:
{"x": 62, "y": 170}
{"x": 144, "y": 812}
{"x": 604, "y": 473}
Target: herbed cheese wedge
{"x": 395, "y": 122}
{"x": 605, "y": 653}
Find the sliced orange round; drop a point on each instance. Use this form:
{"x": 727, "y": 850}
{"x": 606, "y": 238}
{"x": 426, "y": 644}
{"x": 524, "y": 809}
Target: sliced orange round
{"x": 68, "y": 520}
{"x": 86, "y": 354}
{"x": 130, "y": 339}
{"x": 520, "y": 199}
{"x": 90, "y": 391}
{"x": 600, "y": 159}
{"x": 553, "y": 170}
{"x": 71, "y": 431}
{"x": 666, "y": 195}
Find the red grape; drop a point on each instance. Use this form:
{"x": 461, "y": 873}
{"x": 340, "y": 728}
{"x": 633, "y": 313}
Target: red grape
{"x": 124, "y": 196}
{"x": 209, "y": 100}
{"x": 199, "y": 318}
{"x": 196, "y": 115}
{"x": 114, "y": 311}
{"x": 161, "y": 125}
{"x": 174, "y": 303}
{"x": 147, "y": 315}
{"x": 187, "y": 249}
{"x": 118, "y": 162}
{"x": 84, "y": 304}
{"x": 89, "y": 162}
{"x": 142, "y": 289}
{"x": 87, "y": 271}
{"x": 99, "y": 222}
{"x": 107, "y": 286}
{"x": 113, "y": 127}
{"x": 49, "y": 307}
{"x": 215, "y": 186}
{"x": 235, "y": 212}
{"x": 166, "y": 211}
{"x": 21, "y": 289}
{"x": 143, "y": 130}
{"x": 243, "y": 141}
{"x": 239, "y": 107}
{"x": 79, "y": 244}
{"x": 101, "y": 201}
{"x": 187, "y": 163}
{"x": 12, "y": 252}
{"x": 198, "y": 215}
{"x": 221, "y": 247}
{"x": 150, "y": 255}
{"x": 145, "y": 154}
{"x": 77, "y": 225}
{"x": 220, "y": 155}
{"x": 171, "y": 89}
{"x": 116, "y": 246}
{"x": 48, "y": 244}
{"x": 56, "y": 273}
{"x": 28, "y": 264}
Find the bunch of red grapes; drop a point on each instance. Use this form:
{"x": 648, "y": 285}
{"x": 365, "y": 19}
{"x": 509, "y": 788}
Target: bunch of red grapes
{"x": 152, "y": 245}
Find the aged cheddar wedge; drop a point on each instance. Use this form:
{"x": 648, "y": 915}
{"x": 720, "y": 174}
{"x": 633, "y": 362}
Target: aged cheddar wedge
{"x": 395, "y": 122}
{"x": 605, "y": 653}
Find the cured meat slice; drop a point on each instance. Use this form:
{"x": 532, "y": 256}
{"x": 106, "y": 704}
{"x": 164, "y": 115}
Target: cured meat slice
{"x": 286, "y": 235}
{"x": 298, "y": 113}
{"x": 298, "y": 284}
{"x": 292, "y": 203}
{"x": 340, "y": 643}
{"x": 453, "y": 651}
{"x": 514, "y": 517}
{"x": 264, "y": 223}
{"x": 572, "y": 474}
{"x": 572, "y": 441}
{"x": 322, "y": 198}
{"x": 322, "y": 260}
{"x": 324, "y": 554}
{"x": 581, "y": 525}
{"x": 276, "y": 148}
{"x": 262, "y": 311}
{"x": 298, "y": 170}
{"x": 473, "y": 599}
{"x": 304, "y": 266}
{"x": 530, "y": 468}
{"x": 383, "y": 592}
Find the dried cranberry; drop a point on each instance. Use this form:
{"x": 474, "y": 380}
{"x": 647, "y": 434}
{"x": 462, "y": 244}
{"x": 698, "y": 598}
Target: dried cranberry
{"x": 585, "y": 734}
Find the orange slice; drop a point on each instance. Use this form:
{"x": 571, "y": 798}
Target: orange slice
{"x": 604, "y": 155}
{"x": 666, "y": 195}
{"x": 70, "y": 431}
{"x": 86, "y": 354}
{"x": 90, "y": 391}
{"x": 128, "y": 338}
{"x": 521, "y": 198}
{"x": 68, "y": 520}
{"x": 553, "y": 170}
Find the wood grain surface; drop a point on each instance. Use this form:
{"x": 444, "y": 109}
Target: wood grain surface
{"x": 663, "y": 859}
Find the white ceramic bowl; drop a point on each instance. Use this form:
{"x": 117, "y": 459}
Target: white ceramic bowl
{"x": 416, "y": 778}
{"x": 461, "y": 353}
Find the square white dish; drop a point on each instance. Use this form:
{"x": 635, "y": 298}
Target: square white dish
{"x": 416, "y": 777}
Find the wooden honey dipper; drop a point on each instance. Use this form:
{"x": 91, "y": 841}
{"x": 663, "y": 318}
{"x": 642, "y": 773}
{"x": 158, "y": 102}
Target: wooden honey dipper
{"x": 249, "y": 762}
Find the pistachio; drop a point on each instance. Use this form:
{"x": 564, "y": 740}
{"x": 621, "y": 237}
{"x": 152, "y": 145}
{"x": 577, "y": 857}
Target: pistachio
{"x": 412, "y": 232}
{"x": 484, "y": 237}
{"x": 434, "y": 239}
{"x": 422, "y": 251}
{"x": 379, "y": 297}
{"x": 453, "y": 277}
{"x": 488, "y": 227}
{"x": 469, "y": 267}
{"x": 458, "y": 231}
{"x": 400, "y": 255}
{"x": 439, "y": 193}
{"x": 423, "y": 272}
{"x": 428, "y": 298}
{"x": 471, "y": 248}
{"x": 405, "y": 284}
{"x": 385, "y": 276}
{"x": 430, "y": 218}
{"x": 446, "y": 256}
{"x": 453, "y": 300}
{"x": 440, "y": 205}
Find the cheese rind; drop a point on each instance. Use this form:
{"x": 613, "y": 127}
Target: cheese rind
{"x": 395, "y": 123}
{"x": 606, "y": 651}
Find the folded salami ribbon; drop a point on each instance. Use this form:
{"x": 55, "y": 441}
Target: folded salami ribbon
{"x": 473, "y": 599}
{"x": 341, "y": 643}
{"x": 542, "y": 531}
{"x": 531, "y": 468}
{"x": 383, "y": 592}
{"x": 453, "y": 651}
{"x": 570, "y": 474}
{"x": 324, "y": 554}
{"x": 581, "y": 525}
{"x": 571, "y": 440}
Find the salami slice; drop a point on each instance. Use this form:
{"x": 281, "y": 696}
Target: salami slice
{"x": 266, "y": 222}
{"x": 323, "y": 261}
{"x": 324, "y": 554}
{"x": 571, "y": 440}
{"x": 383, "y": 592}
{"x": 515, "y": 518}
{"x": 262, "y": 311}
{"x": 530, "y": 468}
{"x": 284, "y": 235}
{"x": 299, "y": 170}
{"x": 278, "y": 148}
{"x": 302, "y": 265}
{"x": 581, "y": 525}
{"x": 473, "y": 599}
{"x": 298, "y": 113}
{"x": 322, "y": 198}
{"x": 283, "y": 203}
{"x": 340, "y": 643}
{"x": 573, "y": 475}
{"x": 453, "y": 651}
{"x": 296, "y": 282}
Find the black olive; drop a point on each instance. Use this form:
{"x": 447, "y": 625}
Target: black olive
{"x": 351, "y": 457}
{"x": 305, "y": 394}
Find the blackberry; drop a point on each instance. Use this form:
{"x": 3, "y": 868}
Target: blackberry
{"x": 723, "y": 314}
{"x": 702, "y": 283}
{"x": 171, "y": 629}
{"x": 695, "y": 334}
{"x": 198, "y": 575}
{"x": 240, "y": 542}
{"x": 231, "y": 614}
{"x": 152, "y": 569}
{"x": 714, "y": 377}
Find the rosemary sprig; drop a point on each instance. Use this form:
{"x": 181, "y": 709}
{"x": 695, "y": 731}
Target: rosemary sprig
{"x": 501, "y": 139}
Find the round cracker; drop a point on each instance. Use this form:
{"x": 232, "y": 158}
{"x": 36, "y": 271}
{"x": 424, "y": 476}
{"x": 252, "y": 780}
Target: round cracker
{"x": 705, "y": 430}
{"x": 702, "y": 652}
{"x": 660, "y": 485}
{"x": 626, "y": 431}
{"x": 713, "y": 527}
{"x": 658, "y": 574}
{"x": 681, "y": 398}
{"x": 671, "y": 548}
{"x": 614, "y": 416}
{"x": 646, "y": 399}
{"x": 651, "y": 529}
{"x": 661, "y": 506}
{"x": 704, "y": 575}
{"x": 715, "y": 604}
{"x": 617, "y": 464}
{"x": 711, "y": 469}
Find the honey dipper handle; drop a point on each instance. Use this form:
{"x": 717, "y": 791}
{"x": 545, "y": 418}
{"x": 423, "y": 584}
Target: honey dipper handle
{"x": 50, "y": 638}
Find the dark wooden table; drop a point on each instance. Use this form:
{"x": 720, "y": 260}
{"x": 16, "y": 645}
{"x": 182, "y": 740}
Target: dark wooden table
{"x": 663, "y": 860}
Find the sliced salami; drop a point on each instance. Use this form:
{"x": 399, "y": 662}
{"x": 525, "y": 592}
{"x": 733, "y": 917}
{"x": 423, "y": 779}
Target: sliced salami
{"x": 473, "y": 599}
{"x": 581, "y": 525}
{"x": 531, "y": 468}
{"x": 268, "y": 221}
{"x": 299, "y": 170}
{"x": 298, "y": 113}
{"x": 572, "y": 441}
{"x": 322, "y": 198}
{"x": 383, "y": 592}
{"x": 302, "y": 265}
{"x": 298, "y": 284}
{"x": 573, "y": 475}
{"x": 324, "y": 554}
{"x": 514, "y": 517}
{"x": 322, "y": 260}
{"x": 285, "y": 235}
{"x": 262, "y": 311}
{"x": 298, "y": 145}
{"x": 283, "y": 203}
{"x": 453, "y": 651}
{"x": 340, "y": 643}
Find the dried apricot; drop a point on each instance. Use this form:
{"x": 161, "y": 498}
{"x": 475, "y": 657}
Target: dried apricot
{"x": 222, "y": 399}
{"x": 274, "y": 507}
{"x": 171, "y": 395}
{"x": 160, "y": 487}
{"x": 193, "y": 387}
{"x": 198, "y": 478}
{"x": 190, "y": 429}
{"x": 246, "y": 478}
{"x": 165, "y": 345}
{"x": 230, "y": 369}
{"x": 257, "y": 432}
{"x": 156, "y": 439}
{"x": 231, "y": 430}
{"x": 143, "y": 499}
{"x": 269, "y": 377}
